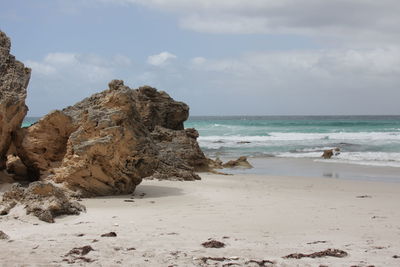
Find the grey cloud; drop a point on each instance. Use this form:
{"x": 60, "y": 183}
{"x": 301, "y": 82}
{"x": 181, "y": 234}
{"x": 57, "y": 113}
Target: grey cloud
{"x": 365, "y": 22}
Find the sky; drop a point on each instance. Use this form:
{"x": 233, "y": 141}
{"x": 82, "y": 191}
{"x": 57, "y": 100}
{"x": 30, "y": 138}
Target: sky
{"x": 221, "y": 57}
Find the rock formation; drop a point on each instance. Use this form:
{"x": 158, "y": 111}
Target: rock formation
{"x": 241, "y": 162}
{"x": 104, "y": 145}
{"x": 99, "y": 146}
{"x": 42, "y": 199}
{"x": 14, "y": 78}
{"x": 329, "y": 153}
{"x": 179, "y": 154}
{"x": 157, "y": 108}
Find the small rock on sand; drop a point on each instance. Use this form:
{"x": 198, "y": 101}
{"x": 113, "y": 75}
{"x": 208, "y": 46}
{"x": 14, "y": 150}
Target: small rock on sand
{"x": 110, "y": 234}
{"x": 3, "y": 236}
{"x": 213, "y": 244}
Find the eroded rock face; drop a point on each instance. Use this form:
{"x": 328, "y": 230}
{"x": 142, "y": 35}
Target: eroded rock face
{"x": 99, "y": 146}
{"x": 103, "y": 144}
{"x": 157, "y": 108}
{"x": 41, "y": 199}
{"x": 14, "y": 78}
{"x": 179, "y": 154}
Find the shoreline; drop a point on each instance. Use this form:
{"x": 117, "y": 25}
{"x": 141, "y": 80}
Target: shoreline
{"x": 258, "y": 217}
{"x": 308, "y": 167}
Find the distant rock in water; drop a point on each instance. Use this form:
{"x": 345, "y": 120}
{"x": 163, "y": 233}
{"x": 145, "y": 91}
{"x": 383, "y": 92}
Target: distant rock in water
{"x": 14, "y": 78}
{"x": 329, "y": 153}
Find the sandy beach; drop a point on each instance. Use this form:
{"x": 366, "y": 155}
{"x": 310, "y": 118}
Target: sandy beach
{"x": 257, "y": 217}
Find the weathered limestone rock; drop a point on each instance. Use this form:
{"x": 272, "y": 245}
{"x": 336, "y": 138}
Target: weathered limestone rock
{"x": 329, "y": 153}
{"x": 15, "y": 167}
{"x": 179, "y": 154}
{"x": 157, "y": 108}
{"x": 14, "y": 78}
{"x": 43, "y": 145}
{"x": 215, "y": 163}
{"x": 99, "y": 146}
{"x": 42, "y": 199}
{"x": 241, "y": 162}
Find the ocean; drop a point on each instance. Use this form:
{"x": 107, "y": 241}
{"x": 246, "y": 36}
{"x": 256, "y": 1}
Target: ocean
{"x": 363, "y": 140}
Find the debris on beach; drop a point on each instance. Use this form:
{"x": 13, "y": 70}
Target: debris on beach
{"x": 77, "y": 254}
{"x": 261, "y": 263}
{"x": 44, "y": 200}
{"x": 213, "y": 244}
{"x": 364, "y": 196}
{"x": 325, "y": 253}
{"x": 205, "y": 259}
{"x": 80, "y": 251}
{"x": 3, "y": 236}
{"x": 317, "y": 242}
{"x": 232, "y": 261}
{"x": 110, "y": 234}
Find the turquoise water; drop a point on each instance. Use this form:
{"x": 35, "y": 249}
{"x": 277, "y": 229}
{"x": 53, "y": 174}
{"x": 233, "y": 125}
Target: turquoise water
{"x": 365, "y": 140}
{"x": 29, "y": 121}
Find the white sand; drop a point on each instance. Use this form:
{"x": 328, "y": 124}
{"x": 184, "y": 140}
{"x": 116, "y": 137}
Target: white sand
{"x": 257, "y": 217}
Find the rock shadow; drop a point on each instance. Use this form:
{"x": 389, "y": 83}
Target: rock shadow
{"x": 156, "y": 191}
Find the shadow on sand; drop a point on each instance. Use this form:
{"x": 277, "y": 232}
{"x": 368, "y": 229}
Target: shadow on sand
{"x": 148, "y": 192}
{"x": 156, "y": 191}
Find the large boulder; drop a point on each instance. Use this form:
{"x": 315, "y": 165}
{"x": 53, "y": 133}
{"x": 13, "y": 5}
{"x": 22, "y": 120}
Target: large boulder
{"x": 99, "y": 146}
{"x": 14, "y": 78}
{"x": 108, "y": 142}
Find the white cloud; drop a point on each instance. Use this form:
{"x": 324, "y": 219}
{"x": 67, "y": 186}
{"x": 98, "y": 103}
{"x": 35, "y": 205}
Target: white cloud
{"x": 61, "y": 59}
{"x": 40, "y": 68}
{"x": 160, "y": 59}
{"x": 122, "y": 60}
{"x": 77, "y": 66}
{"x": 198, "y": 60}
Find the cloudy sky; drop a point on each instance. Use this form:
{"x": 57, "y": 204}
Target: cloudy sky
{"x": 222, "y": 57}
